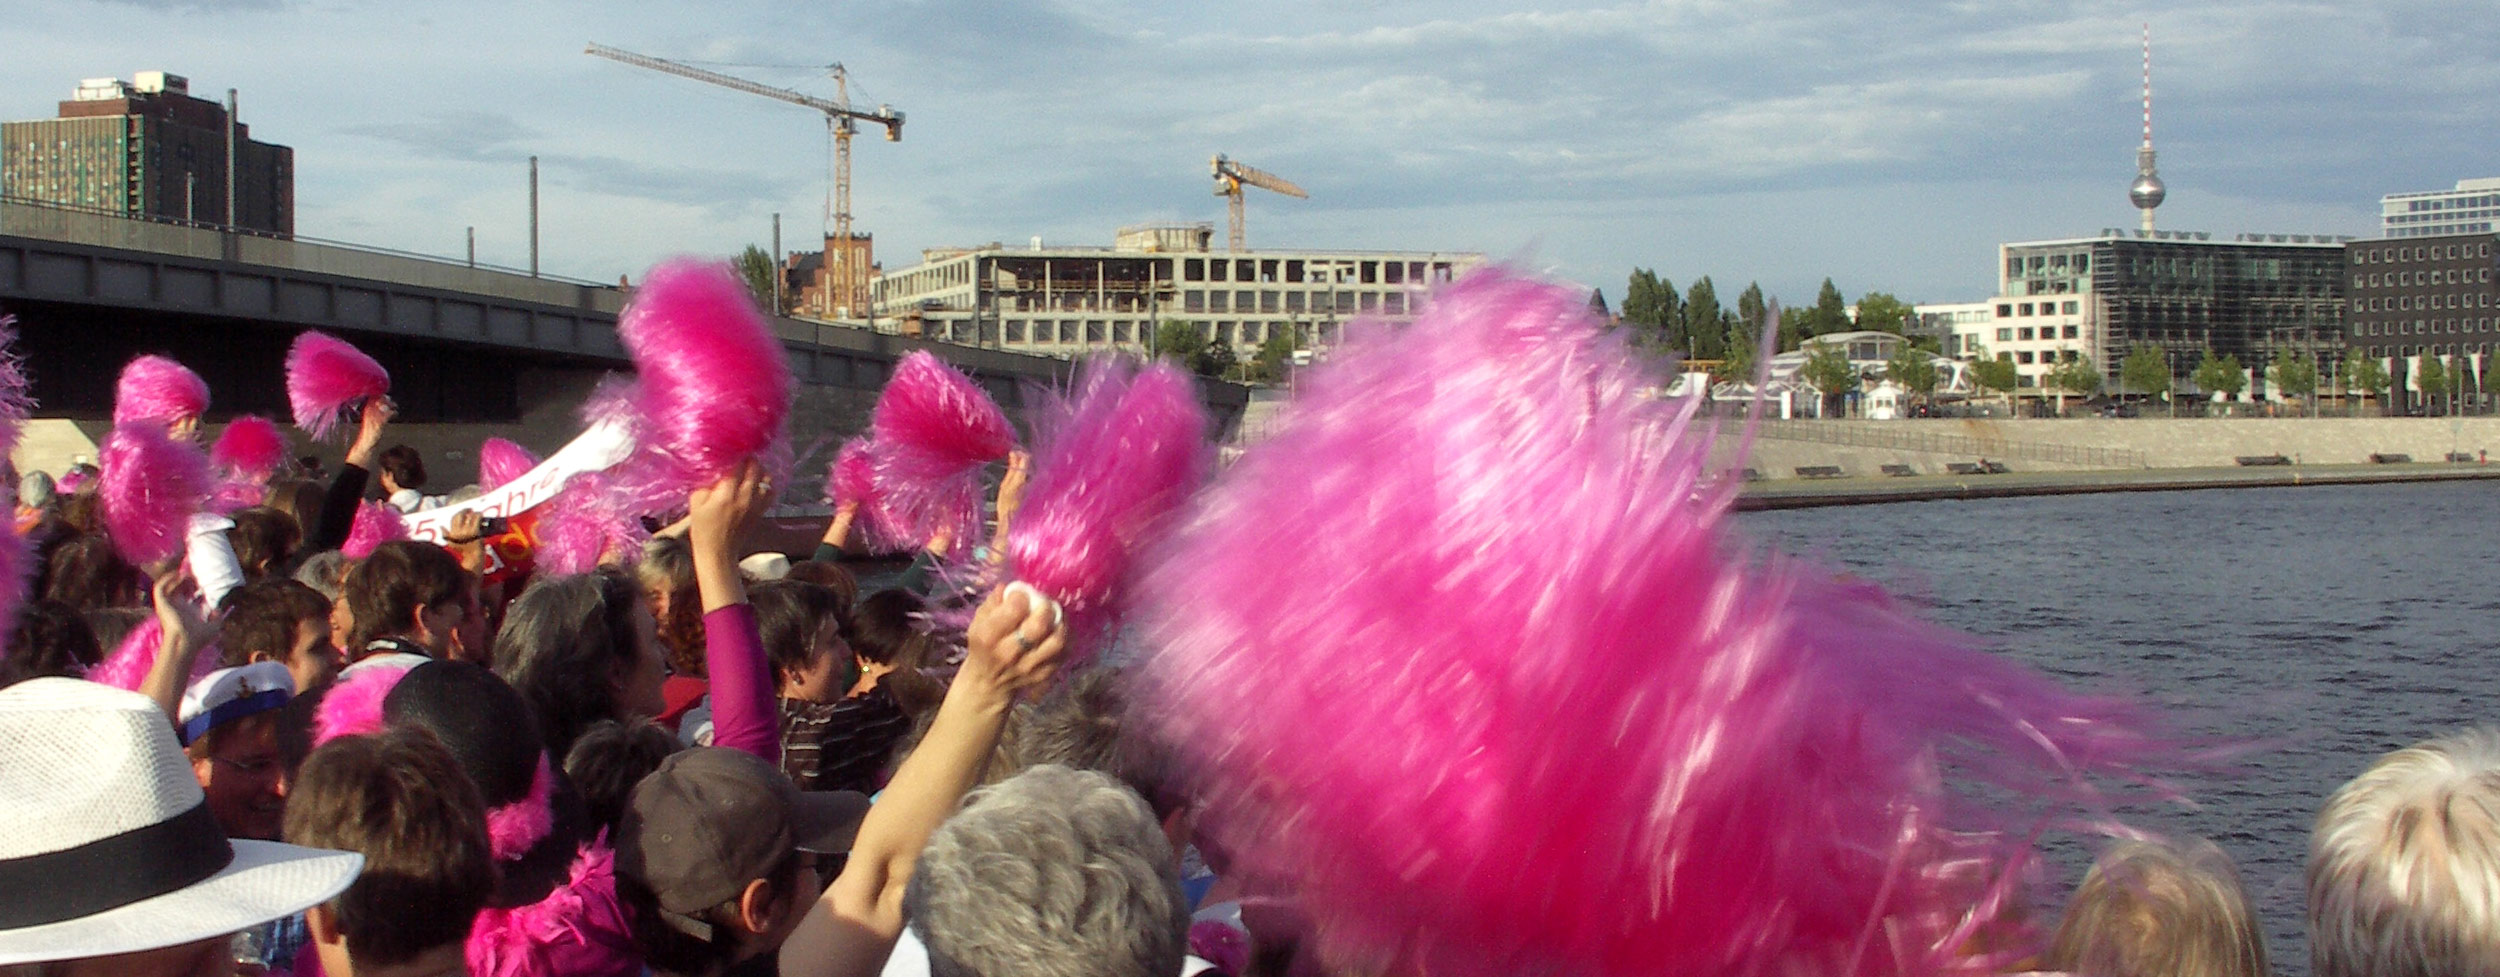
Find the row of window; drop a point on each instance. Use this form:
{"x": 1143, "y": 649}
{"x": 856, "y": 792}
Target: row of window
{"x": 2452, "y": 203}
{"x": 2436, "y": 252}
{"x": 1271, "y": 301}
{"x": 2420, "y": 327}
{"x": 2008, "y": 310}
{"x": 1294, "y": 271}
{"x": 1072, "y": 332}
{"x": 2009, "y": 334}
{"x": 2026, "y": 358}
{"x": 2450, "y": 276}
{"x": 2409, "y": 303}
{"x": 2440, "y": 230}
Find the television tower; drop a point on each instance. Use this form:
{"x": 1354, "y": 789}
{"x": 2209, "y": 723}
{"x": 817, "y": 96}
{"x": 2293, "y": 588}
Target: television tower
{"x": 2147, "y": 192}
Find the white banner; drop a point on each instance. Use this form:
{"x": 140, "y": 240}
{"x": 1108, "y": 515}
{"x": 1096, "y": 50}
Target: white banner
{"x": 600, "y": 448}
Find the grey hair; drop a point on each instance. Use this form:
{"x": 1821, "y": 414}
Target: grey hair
{"x": 2404, "y": 865}
{"x": 325, "y": 571}
{"x": 2149, "y": 909}
{"x": 1051, "y": 873}
{"x": 1082, "y": 724}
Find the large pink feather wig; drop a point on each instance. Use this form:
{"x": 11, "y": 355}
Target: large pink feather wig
{"x": 579, "y": 929}
{"x": 152, "y": 485}
{"x": 1464, "y": 656}
{"x": 375, "y": 524}
{"x": 500, "y": 461}
{"x": 353, "y": 706}
{"x": 933, "y": 431}
{"x": 323, "y": 376}
{"x": 1115, "y": 459}
{"x": 712, "y": 383}
{"x": 251, "y": 446}
{"x": 158, "y": 390}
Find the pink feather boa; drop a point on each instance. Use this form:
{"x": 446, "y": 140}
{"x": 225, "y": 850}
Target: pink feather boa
{"x": 1115, "y": 459}
{"x": 376, "y": 523}
{"x": 353, "y": 706}
{"x": 512, "y": 829}
{"x": 324, "y": 374}
{"x": 157, "y": 390}
{"x": 934, "y": 430}
{"x": 131, "y": 661}
{"x": 578, "y": 930}
{"x": 1522, "y": 704}
{"x": 152, "y": 485}
{"x": 500, "y": 461}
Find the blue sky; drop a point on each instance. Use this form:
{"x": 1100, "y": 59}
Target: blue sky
{"x": 1883, "y": 145}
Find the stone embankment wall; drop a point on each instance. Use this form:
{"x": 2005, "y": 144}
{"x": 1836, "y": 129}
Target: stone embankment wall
{"x": 2104, "y": 443}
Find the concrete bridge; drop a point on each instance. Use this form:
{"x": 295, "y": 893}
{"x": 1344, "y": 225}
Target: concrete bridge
{"x": 473, "y": 351}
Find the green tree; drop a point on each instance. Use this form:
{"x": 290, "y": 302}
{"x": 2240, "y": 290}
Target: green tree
{"x": 1177, "y": 340}
{"x": 2071, "y": 375}
{"x": 1996, "y": 373}
{"x": 1913, "y": 369}
{"x": 1830, "y": 313}
{"x": 1827, "y": 367}
{"x": 1705, "y": 329}
{"x": 1653, "y": 311}
{"x": 1880, "y": 312}
{"x": 2219, "y": 375}
{"x": 756, "y": 268}
{"x": 1752, "y": 310}
{"x": 2146, "y": 370}
{"x": 2366, "y": 374}
{"x": 2430, "y": 377}
{"x": 1275, "y": 356}
{"x": 2295, "y": 375}
{"x": 1793, "y": 327}
{"x": 1215, "y": 359}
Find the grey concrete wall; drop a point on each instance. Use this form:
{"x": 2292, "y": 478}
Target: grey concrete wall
{"x": 2202, "y": 442}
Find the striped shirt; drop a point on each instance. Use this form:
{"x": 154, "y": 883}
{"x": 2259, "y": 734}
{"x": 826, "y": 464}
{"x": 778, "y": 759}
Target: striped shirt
{"x": 840, "y": 745}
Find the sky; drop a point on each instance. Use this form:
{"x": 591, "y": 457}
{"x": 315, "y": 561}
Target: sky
{"x": 1886, "y": 146}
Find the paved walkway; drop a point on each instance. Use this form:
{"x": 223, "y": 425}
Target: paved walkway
{"x": 1802, "y": 493}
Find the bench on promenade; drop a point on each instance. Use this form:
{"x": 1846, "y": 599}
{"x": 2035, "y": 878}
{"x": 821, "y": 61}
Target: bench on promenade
{"x": 2259, "y": 460}
{"x": 2460, "y": 457}
{"x": 1751, "y": 475}
{"x": 1965, "y": 468}
{"x": 2384, "y": 458}
{"x": 1900, "y": 471}
{"x": 1820, "y": 471}
{"x": 1994, "y": 467}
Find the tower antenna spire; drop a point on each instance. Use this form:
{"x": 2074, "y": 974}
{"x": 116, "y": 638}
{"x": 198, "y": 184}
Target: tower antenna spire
{"x": 2147, "y": 191}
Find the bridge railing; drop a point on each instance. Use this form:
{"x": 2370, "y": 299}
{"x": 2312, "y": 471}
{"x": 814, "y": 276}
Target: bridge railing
{"x": 1867, "y": 436}
{"x": 112, "y": 229}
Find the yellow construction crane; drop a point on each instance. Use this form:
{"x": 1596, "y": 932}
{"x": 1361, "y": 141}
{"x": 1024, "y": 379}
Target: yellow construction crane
{"x": 847, "y": 281}
{"x": 1231, "y": 175}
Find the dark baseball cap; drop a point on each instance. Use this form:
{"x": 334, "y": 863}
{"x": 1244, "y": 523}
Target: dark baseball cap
{"x": 711, "y": 820}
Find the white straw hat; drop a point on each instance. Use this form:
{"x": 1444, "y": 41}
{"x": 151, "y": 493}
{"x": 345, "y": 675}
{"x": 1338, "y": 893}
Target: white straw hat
{"x": 110, "y": 847}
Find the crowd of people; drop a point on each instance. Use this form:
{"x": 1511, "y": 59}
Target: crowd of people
{"x": 699, "y": 760}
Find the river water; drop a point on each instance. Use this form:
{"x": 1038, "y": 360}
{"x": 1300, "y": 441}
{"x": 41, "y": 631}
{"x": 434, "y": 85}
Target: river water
{"x": 2333, "y": 623}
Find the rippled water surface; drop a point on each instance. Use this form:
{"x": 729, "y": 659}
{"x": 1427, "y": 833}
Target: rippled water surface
{"x": 2335, "y": 623}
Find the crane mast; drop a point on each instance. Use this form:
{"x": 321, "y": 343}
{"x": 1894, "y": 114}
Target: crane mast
{"x": 1230, "y": 176}
{"x": 847, "y": 255}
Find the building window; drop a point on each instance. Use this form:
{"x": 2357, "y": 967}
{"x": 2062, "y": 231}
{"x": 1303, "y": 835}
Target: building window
{"x": 2025, "y": 335}
{"x": 2005, "y": 335}
{"x": 1219, "y": 301}
{"x": 1245, "y": 300}
{"x": 2026, "y": 309}
{"x": 2023, "y": 357}
{"x": 1015, "y": 330}
{"x": 2005, "y": 310}
{"x": 2072, "y": 332}
{"x": 1193, "y": 301}
{"x": 1293, "y": 301}
{"x": 1195, "y": 269}
{"x": 1396, "y": 303}
{"x": 2068, "y": 308}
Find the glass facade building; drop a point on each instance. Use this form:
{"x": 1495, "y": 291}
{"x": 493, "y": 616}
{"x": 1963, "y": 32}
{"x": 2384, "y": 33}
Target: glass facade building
{"x": 2180, "y": 293}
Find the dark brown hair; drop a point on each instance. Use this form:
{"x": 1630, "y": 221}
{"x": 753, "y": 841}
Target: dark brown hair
{"x": 263, "y": 539}
{"x": 262, "y": 616}
{"x": 385, "y": 590}
{"x": 399, "y": 799}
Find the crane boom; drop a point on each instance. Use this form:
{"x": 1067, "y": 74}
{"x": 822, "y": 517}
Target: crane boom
{"x": 1231, "y": 175}
{"x": 885, "y": 116}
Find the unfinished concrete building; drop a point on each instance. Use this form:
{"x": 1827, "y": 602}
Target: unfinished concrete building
{"x": 1073, "y": 300}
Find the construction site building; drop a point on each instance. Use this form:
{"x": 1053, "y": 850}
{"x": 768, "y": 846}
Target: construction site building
{"x": 148, "y": 149}
{"x": 1070, "y": 301}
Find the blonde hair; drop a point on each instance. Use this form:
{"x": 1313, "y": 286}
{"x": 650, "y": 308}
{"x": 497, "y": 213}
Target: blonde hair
{"x": 2150, "y": 909}
{"x": 2404, "y": 865}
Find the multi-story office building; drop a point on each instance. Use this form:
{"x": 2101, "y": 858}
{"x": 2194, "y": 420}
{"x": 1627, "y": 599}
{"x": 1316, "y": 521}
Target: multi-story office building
{"x": 1072, "y": 300}
{"x": 2412, "y": 296}
{"x": 147, "y": 148}
{"x": 2472, "y": 208}
{"x": 2183, "y": 293}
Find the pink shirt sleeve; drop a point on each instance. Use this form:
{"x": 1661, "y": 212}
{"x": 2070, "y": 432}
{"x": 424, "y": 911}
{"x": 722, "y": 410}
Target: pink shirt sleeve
{"x": 744, "y": 713}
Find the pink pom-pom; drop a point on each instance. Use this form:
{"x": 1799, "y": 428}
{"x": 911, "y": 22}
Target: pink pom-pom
{"x": 152, "y": 485}
{"x": 375, "y": 524}
{"x": 578, "y": 528}
{"x": 157, "y": 390}
{"x": 934, "y": 429}
{"x": 1115, "y": 460}
{"x": 1522, "y": 707}
{"x": 713, "y": 382}
{"x": 131, "y": 661}
{"x": 353, "y": 706}
{"x": 578, "y": 930}
{"x": 251, "y": 446}
{"x": 500, "y": 461}
{"x": 852, "y": 475}
{"x": 325, "y": 375}
{"x": 513, "y": 829}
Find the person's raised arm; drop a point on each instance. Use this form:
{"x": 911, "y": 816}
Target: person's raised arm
{"x": 1012, "y": 646}
{"x": 185, "y": 632}
{"x": 1010, "y": 500}
{"x": 338, "y": 508}
{"x": 744, "y": 715}
{"x": 837, "y": 539}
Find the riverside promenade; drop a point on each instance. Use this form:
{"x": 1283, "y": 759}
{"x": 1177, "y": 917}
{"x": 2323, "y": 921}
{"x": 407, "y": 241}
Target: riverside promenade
{"x": 1802, "y": 493}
